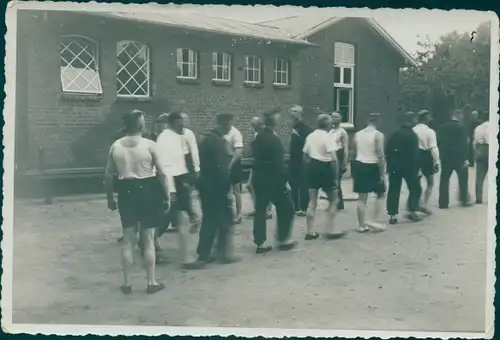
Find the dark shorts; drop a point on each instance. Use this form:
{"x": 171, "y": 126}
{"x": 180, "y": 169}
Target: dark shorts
{"x": 236, "y": 175}
{"x": 366, "y": 178}
{"x": 426, "y": 162}
{"x": 183, "y": 187}
{"x": 140, "y": 201}
{"x": 320, "y": 175}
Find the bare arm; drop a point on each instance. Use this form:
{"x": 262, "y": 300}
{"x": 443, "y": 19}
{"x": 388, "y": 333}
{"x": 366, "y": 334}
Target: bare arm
{"x": 160, "y": 172}
{"x": 379, "y": 140}
{"x": 109, "y": 173}
{"x": 194, "y": 152}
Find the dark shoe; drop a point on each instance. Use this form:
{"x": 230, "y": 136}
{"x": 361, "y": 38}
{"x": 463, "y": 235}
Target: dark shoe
{"x": 208, "y": 259}
{"x": 120, "y": 239}
{"x": 426, "y": 211}
{"x": 126, "y": 289}
{"x": 263, "y": 249}
{"x": 287, "y": 246}
{"x": 393, "y": 220}
{"x": 228, "y": 260}
{"x": 335, "y": 236}
{"x": 466, "y": 204}
{"x": 443, "y": 207}
{"x": 300, "y": 213}
{"x": 195, "y": 265}
{"x": 479, "y": 201}
{"x": 269, "y": 216}
{"x": 312, "y": 236}
{"x": 237, "y": 220}
{"x": 412, "y": 216}
{"x": 155, "y": 288}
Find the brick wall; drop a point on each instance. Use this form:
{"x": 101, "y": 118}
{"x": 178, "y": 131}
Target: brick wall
{"x": 77, "y": 133}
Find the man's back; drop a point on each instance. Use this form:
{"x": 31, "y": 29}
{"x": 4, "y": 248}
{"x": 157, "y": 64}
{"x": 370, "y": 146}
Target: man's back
{"x": 268, "y": 157}
{"x": 402, "y": 150}
{"x": 452, "y": 141}
{"x": 214, "y": 159}
{"x": 133, "y": 158}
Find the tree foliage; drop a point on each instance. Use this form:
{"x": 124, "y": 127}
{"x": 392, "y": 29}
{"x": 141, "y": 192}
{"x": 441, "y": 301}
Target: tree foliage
{"x": 454, "y": 73}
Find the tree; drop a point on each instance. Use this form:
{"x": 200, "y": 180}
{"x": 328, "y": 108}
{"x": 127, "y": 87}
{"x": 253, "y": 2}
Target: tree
{"x": 453, "y": 73}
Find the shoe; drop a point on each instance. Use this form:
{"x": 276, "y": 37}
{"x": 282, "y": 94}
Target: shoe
{"x": 237, "y": 220}
{"x": 209, "y": 259}
{"x": 426, "y": 211}
{"x": 120, "y": 239}
{"x": 363, "y": 229}
{"x": 300, "y": 213}
{"x": 287, "y": 246}
{"x": 443, "y": 207}
{"x": 126, "y": 290}
{"x": 263, "y": 249}
{"x": 412, "y": 216}
{"x": 466, "y": 204}
{"x": 479, "y": 201}
{"x": 194, "y": 265}
{"x": 312, "y": 236}
{"x": 269, "y": 216}
{"x": 393, "y": 220}
{"x": 335, "y": 236}
{"x": 155, "y": 288}
{"x": 376, "y": 226}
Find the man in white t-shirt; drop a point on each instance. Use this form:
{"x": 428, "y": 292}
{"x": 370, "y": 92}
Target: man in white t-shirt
{"x": 480, "y": 145}
{"x": 235, "y": 140}
{"x": 341, "y": 139}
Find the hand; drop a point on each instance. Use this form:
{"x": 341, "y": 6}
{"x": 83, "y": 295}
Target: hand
{"x": 436, "y": 168}
{"x": 382, "y": 179}
{"x": 466, "y": 164}
{"x": 112, "y": 205}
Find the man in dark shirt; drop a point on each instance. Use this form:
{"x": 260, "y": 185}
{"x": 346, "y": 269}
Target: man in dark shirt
{"x": 453, "y": 149}
{"x": 269, "y": 180}
{"x": 214, "y": 185}
{"x": 402, "y": 163}
{"x": 298, "y": 183}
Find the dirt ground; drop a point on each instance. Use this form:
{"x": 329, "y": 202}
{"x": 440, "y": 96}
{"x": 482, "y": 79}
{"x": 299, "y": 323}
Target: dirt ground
{"x": 428, "y": 276}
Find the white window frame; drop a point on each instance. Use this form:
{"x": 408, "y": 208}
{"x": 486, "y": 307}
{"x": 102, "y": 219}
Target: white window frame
{"x": 120, "y": 67}
{"x": 341, "y": 84}
{"x": 192, "y": 63}
{"x": 282, "y": 71}
{"x": 227, "y": 64}
{"x": 253, "y": 70}
{"x": 68, "y": 40}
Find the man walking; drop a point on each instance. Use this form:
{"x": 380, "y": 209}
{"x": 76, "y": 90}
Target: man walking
{"x": 235, "y": 140}
{"x": 297, "y": 177}
{"x": 321, "y": 167}
{"x": 214, "y": 185}
{"x": 481, "y": 155}
{"x": 368, "y": 171}
{"x": 453, "y": 147}
{"x": 429, "y": 162}
{"x": 269, "y": 179}
{"x": 140, "y": 200}
{"x": 341, "y": 139}
{"x": 402, "y": 154}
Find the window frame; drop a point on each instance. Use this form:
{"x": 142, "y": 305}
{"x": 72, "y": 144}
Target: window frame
{"x": 191, "y": 54}
{"x": 285, "y": 71}
{"x": 122, "y": 67}
{"x": 253, "y": 70}
{"x": 216, "y": 66}
{"x": 91, "y": 42}
{"x": 341, "y": 84}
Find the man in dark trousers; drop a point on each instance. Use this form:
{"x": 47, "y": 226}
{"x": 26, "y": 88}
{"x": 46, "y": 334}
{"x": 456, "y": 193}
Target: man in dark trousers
{"x": 297, "y": 177}
{"x": 269, "y": 180}
{"x": 402, "y": 156}
{"x": 214, "y": 185}
{"x": 453, "y": 149}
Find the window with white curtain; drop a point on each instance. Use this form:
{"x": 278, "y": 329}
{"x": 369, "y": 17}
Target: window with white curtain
{"x": 221, "y": 66}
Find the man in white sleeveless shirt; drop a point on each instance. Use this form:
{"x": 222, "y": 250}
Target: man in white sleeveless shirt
{"x": 428, "y": 157}
{"x": 480, "y": 144}
{"x": 322, "y": 169}
{"x": 341, "y": 139}
{"x": 369, "y": 171}
{"x": 140, "y": 200}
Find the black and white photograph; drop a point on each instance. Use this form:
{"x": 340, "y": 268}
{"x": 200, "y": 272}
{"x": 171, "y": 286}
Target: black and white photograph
{"x": 249, "y": 170}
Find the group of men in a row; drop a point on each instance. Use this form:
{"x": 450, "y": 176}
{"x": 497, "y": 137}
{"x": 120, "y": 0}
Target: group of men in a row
{"x": 156, "y": 177}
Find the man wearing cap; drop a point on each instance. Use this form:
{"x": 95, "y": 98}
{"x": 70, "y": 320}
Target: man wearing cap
{"x": 269, "y": 179}
{"x": 369, "y": 171}
{"x": 140, "y": 201}
{"x": 429, "y": 162}
{"x": 341, "y": 140}
{"x": 297, "y": 176}
{"x": 453, "y": 150}
{"x": 402, "y": 155}
{"x": 481, "y": 155}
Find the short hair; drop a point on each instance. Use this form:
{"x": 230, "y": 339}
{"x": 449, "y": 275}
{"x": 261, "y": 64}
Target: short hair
{"x": 408, "y": 117}
{"x": 223, "y": 117}
{"x": 297, "y": 108}
{"x": 323, "y": 121}
{"x": 423, "y": 114}
{"x": 256, "y": 120}
{"x": 162, "y": 119}
{"x": 336, "y": 114}
{"x": 372, "y": 116}
{"x": 130, "y": 119}
{"x": 174, "y": 116}
{"x": 267, "y": 116}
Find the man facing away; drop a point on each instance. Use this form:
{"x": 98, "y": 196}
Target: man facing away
{"x": 402, "y": 155}
{"x": 428, "y": 156}
{"x": 235, "y": 140}
{"x": 214, "y": 185}
{"x": 453, "y": 149}
{"x": 321, "y": 167}
{"x": 368, "y": 171}
{"x": 297, "y": 177}
{"x": 481, "y": 155}
{"x": 341, "y": 139}
{"x": 140, "y": 202}
{"x": 257, "y": 125}
{"x": 269, "y": 180}
{"x": 171, "y": 146}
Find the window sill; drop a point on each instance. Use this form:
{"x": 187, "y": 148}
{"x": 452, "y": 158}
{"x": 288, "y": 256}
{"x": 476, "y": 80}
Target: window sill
{"x": 282, "y": 86}
{"x": 181, "y": 80}
{"x": 219, "y": 82}
{"x": 134, "y": 99}
{"x": 254, "y": 85}
{"x": 347, "y": 126}
{"x": 80, "y": 97}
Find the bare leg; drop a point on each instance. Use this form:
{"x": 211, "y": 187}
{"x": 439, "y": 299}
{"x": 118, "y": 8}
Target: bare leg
{"x": 428, "y": 190}
{"x": 332, "y": 212}
{"x": 361, "y": 211}
{"x": 311, "y": 210}
{"x": 149, "y": 257}
{"x": 378, "y": 206}
{"x": 237, "y": 200}
{"x": 184, "y": 236}
{"x": 127, "y": 252}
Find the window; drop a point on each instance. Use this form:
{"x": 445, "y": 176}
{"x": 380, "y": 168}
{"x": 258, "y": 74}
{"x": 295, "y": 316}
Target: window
{"x": 253, "y": 70}
{"x": 343, "y": 79}
{"x": 281, "y": 72}
{"x": 79, "y": 66}
{"x": 221, "y": 65}
{"x": 133, "y": 69}
{"x": 187, "y": 63}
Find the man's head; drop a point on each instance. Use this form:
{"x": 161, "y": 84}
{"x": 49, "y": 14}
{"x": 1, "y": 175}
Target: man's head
{"x": 324, "y": 122}
{"x": 296, "y": 113}
{"x": 134, "y": 122}
{"x": 161, "y": 123}
{"x": 175, "y": 121}
{"x": 372, "y": 118}
{"x": 224, "y": 121}
{"x": 458, "y": 115}
{"x": 186, "y": 121}
{"x": 272, "y": 117}
{"x": 336, "y": 118}
{"x": 474, "y": 115}
{"x": 257, "y": 124}
{"x": 424, "y": 116}
{"x": 409, "y": 119}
